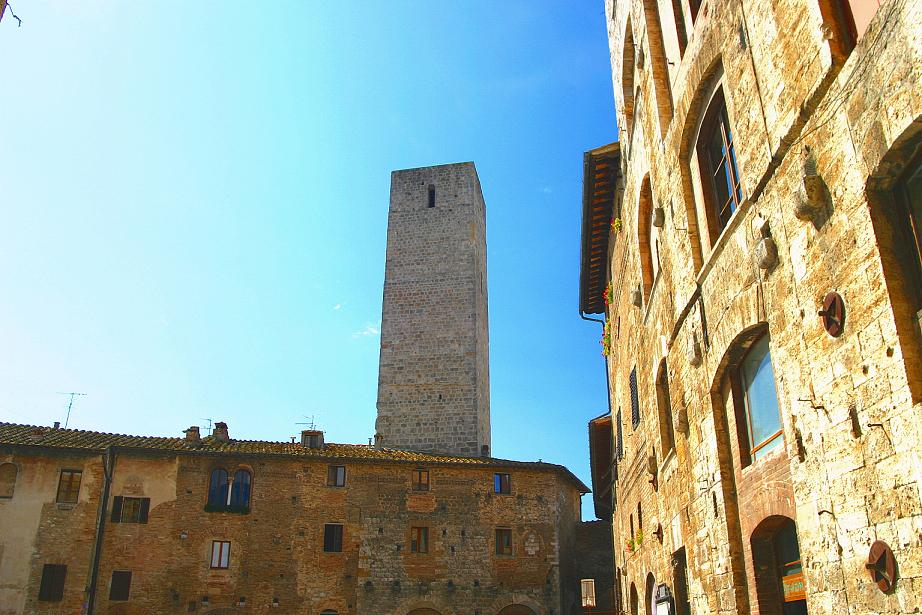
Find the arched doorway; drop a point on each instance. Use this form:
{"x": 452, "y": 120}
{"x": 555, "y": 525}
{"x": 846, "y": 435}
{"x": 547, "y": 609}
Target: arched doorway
{"x": 779, "y": 574}
{"x": 424, "y": 612}
{"x": 634, "y": 599}
{"x": 516, "y": 609}
{"x": 648, "y": 595}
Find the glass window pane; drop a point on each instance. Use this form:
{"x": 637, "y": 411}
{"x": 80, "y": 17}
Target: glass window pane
{"x": 761, "y": 397}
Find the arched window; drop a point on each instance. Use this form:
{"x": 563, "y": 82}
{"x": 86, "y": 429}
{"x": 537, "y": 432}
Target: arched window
{"x": 627, "y": 79}
{"x": 658, "y": 60}
{"x": 217, "y": 488}
{"x": 240, "y": 489}
{"x": 756, "y": 403}
{"x": 720, "y": 178}
{"x": 8, "y": 472}
{"x": 649, "y": 595}
{"x": 634, "y": 600}
{"x": 664, "y": 406}
{"x": 647, "y": 241}
{"x": 779, "y": 578}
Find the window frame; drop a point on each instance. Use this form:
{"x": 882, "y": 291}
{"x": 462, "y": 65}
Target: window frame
{"x": 335, "y": 478}
{"x": 716, "y": 122}
{"x": 503, "y": 541}
{"x": 502, "y": 483}
{"x": 138, "y": 515}
{"x": 223, "y": 554}
{"x": 418, "y": 483}
{"x": 419, "y": 539}
{"x": 11, "y": 487}
{"x": 909, "y": 251}
{"x": 69, "y": 489}
{"x": 333, "y": 537}
{"x": 742, "y": 406}
{"x": 635, "y": 399}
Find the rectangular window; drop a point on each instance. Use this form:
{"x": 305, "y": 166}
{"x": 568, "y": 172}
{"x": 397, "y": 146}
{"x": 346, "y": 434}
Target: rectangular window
{"x": 336, "y": 476}
{"x": 760, "y": 400}
{"x": 333, "y": 538}
{"x": 503, "y": 541}
{"x": 419, "y": 540}
{"x": 620, "y": 438}
{"x": 130, "y": 510}
{"x": 720, "y": 178}
{"x": 220, "y": 554}
{"x": 420, "y": 479}
{"x": 69, "y": 486}
{"x": 635, "y": 400}
{"x": 431, "y": 196}
{"x": 502, "y": 483}
{"x": 52, "y": 587}
{"x": 121, "y": 585}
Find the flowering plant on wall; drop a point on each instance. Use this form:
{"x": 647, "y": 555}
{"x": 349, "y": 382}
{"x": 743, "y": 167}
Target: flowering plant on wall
{"x": 606, "y": 339}
{"x": 639, "y": 537}
{"x": 616, "y": 225}
{"x": 609, "y": 294}
{"x": 630, "y": 545}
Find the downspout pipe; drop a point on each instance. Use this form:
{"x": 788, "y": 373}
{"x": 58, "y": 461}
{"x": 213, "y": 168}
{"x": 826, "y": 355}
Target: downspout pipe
{"x": 607, "y": 383}
{"x": 108, "y": 468}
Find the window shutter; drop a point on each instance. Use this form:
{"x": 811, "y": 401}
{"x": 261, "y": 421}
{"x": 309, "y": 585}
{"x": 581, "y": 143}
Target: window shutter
{"x": 121, "y": 585}
{"x": 635, "y": 402}
{"x": 620, "y": 444}
{"x": 145, "y": 509}
{"x": 52, "y": 587}
{"x": 117, "y": 509}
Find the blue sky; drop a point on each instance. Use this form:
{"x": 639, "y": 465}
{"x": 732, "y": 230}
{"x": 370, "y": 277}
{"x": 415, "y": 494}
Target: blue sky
{"x": 194, "y": 206}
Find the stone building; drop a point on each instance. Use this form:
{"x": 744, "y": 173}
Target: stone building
{"x": 424, "y": 522}
{"x": 753, "y": 242}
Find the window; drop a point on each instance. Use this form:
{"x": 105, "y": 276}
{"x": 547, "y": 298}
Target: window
{"x": 336, "y": 476}
{"x": 130, "y": 510}
{"x": 720, "y": 179}
{"x": 639, "y": 517}
{"x": 431, "y": 196}
{"x": 240, "y": 490}
{"x": 220, "y": 554}
{"x": 218, "y": 487}
{"x": 121, "y": 585}
{"x": 52, "y": 587}
{"x": 908, "y": 195}
{"x": 681, "y": 32}
{"x": 8, "y": 472}
{"x": 635, "y": 401}
{"x": 627, "y": 79}
{"x": 619, "y": 442}
{"x": 69, "y": 486}
{"x": 333, "y": 538}
{"x": 420, "y": 479}
{"x": 503, "y": 541}
{"x": 757, "y": 403}
{"x": 680, "y": 582}
{"x": 502, "y": 483}
{"x": 647, "y": 238}
{"x": 419, "y": 540}
{"x": 664, "y": 406}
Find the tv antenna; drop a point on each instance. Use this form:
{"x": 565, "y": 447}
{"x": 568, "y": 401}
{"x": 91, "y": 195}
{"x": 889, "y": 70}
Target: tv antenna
{"x": 209, "y": 425}
{"x": 70, "y": 404}
{"x": 311, "y": 425}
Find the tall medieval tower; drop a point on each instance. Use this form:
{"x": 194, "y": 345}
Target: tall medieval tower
{"x": 433, "y": 381}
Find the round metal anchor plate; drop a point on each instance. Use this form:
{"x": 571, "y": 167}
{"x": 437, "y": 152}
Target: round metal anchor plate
{"x": 882, "y": 566}
{"x": 833, "y": 314}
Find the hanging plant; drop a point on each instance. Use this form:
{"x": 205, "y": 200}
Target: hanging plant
{"x": 606, "y": 339}
{"x": 609, "y": 295}
{"x": 616, "y": 225}
{"x": 630, "y": 545}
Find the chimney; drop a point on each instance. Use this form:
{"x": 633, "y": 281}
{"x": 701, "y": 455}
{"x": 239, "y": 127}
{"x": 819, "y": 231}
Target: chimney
{"x": 57, "y": 424}
{"x": 312, "y": 438}
{"x": 193, "y": 434}
{"x": 37, "y": 434}
{"x": 220, "y": 432}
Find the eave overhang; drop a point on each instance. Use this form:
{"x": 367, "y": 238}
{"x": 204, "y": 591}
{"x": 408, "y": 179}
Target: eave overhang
{"x": 601, "y": 179}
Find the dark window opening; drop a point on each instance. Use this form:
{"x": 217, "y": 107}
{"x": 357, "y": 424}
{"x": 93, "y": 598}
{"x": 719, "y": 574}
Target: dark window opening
{"x": 503, "y": 541}
{"x": 635, "y": 400}
{"x": 720, "y": 179}
{"x": 121, "y": 585}
{"x": 681, "y": 31}
{"x": 419, "y": 540}
{"x": 431, "y": 196}
{"x": 420, "y": 479}
{"x": 639, "y": 517}
{"x": 240, "y": 490}
{"x": 620, "y": 437}
{"x": 680, "y": 582}
{"x": 333, "y": 538}
{"x": 8, "y": 472}
{"x": 217, "y": 488}
{"x": 69, "y": 486}
{"x": 664, "y": 405}
{"x": 908, "y": 195}
{"x": 502, "y": 483}
{"x": 52, "y": 587}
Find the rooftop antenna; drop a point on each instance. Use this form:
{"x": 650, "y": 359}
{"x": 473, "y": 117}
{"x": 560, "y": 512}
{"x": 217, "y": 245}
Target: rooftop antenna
{"x": 311, "y": 425}
{"x": 70, "y": 404}
{"x": 209, "y": 424}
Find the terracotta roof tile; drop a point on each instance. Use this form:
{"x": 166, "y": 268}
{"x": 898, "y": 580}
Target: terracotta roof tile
{"x": 50, "y": 437}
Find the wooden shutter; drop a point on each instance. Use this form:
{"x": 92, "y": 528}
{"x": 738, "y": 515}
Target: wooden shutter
{"x": 117, "y": 509}
{"x": 121, "y": 585}
{"x": 52, "y": 587}
{"x": 635, "y": 401}
{"x": 145, "y": 509}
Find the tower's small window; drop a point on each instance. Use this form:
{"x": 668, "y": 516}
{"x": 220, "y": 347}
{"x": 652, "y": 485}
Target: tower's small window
{"x": 502, "y": 483}
{"x": 333, "y": 537}
{"x": 431, "y": 195}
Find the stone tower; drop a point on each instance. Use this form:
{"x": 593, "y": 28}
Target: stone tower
{"x": 433, "y": 381}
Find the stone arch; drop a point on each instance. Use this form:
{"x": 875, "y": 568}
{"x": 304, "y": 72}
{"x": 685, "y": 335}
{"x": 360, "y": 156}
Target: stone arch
{"x": 8, "y": 474}
{"x": 708, "y": 81}
{"x": 628, "y": 54}
{"x": 515, "y": 602}
{"x": 659, "y": 69}
{"x": 775, "y": 555}
{"x": 649, "y": 589}
{"x": 644, "y": 231}
{"x": 516, "y": 609}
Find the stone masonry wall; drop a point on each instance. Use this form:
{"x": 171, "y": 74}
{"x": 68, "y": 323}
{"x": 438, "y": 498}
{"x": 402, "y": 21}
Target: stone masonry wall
{"x": 433, "y": 383}
{"x": 849, "y": 470}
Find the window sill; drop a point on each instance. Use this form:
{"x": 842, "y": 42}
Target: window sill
{"x": 220, "y": 508}
{"x": 65, "y": 505}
